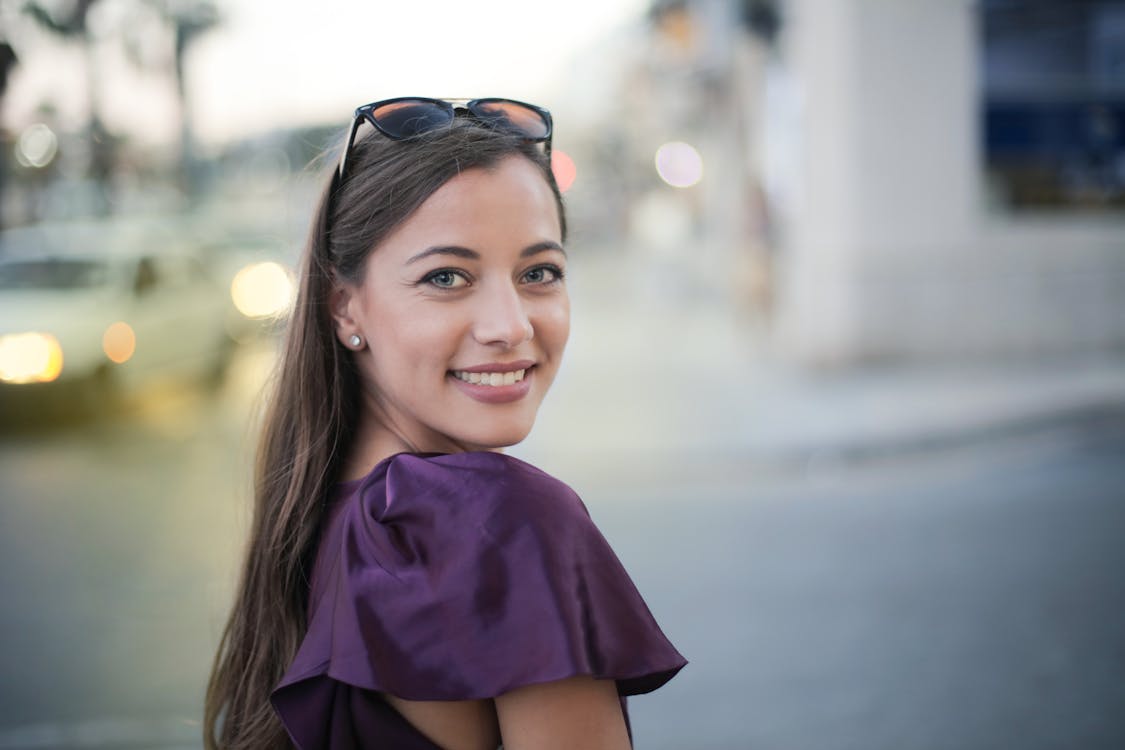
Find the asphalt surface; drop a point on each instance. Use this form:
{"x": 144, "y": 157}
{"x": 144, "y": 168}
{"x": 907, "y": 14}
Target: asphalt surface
{"x": 968, "y": 598}
{"x": 961, "y": 595}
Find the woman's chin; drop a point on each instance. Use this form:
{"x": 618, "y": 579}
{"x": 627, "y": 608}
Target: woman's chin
{"x": 496, "y": 439}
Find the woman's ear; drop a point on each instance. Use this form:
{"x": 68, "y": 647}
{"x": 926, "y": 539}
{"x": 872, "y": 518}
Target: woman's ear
{"x": 341, "y": 306}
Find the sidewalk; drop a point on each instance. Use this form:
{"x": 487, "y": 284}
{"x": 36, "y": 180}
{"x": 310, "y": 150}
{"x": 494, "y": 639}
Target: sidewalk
{"x": 868, "y": 412}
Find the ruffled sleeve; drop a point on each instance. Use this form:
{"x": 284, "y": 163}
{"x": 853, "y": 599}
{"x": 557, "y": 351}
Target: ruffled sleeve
{"x": 464, "y": 576}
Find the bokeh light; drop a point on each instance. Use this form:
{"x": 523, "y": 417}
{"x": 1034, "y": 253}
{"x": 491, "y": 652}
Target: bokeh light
{"x": 262, "y": 290}
{"x": 36, "y": 146}
{"x": 30, "y": 358}
{"x": 564, "y": 168}
{"x": 679, "y": 164}
{"x": 119, "y": 342}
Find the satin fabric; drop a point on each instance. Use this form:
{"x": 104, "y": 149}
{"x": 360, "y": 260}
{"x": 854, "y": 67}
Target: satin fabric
{"x": 457, "y": 577}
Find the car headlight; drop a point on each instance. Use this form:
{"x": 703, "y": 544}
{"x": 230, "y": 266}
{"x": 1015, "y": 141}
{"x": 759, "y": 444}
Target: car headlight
{"x": 30, "y": 358}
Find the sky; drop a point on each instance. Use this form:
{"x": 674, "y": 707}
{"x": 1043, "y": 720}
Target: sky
{"x": 275, "y": 63}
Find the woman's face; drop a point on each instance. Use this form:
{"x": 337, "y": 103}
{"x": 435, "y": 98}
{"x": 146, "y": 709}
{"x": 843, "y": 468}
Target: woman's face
{"x": 463, "y": 312}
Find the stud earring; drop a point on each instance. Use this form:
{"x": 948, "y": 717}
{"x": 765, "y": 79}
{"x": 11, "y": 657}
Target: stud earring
{"x": 355, "y": 340}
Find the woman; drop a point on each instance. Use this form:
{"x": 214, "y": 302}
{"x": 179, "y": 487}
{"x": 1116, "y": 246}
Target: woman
{"x": 406, "y": 585}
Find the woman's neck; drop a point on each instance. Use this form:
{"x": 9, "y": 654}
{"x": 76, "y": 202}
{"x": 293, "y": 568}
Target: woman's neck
{"x": 377, "y": 438}
{"x": 371, "y": 443}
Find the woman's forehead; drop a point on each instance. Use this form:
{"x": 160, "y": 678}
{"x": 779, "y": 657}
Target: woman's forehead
{"x": 495, "y": 211}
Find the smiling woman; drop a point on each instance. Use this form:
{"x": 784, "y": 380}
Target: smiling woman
{"x": 407, "y": 586}
{"x": 481, "y": 312}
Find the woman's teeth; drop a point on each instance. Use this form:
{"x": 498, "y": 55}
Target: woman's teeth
{"x": 490, "y": 378}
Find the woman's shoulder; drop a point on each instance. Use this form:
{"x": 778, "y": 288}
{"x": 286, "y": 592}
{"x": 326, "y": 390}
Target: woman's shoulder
{"x": 483, "y": 483}
{"x": 464, "y": 576}
{"x": 420, "y": 513}
{"x": 469, "y": 465}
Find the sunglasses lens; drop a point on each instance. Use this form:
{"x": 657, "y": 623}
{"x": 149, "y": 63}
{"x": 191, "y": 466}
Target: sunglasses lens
{"x": 509, "y": 115}
{"x": 410, "y": 117}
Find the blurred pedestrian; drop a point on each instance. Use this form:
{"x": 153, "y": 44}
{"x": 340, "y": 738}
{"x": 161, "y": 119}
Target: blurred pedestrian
{"x": 407, "y": 585}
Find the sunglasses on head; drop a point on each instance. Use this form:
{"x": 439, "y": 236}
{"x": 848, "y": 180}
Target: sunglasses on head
{"x": 409, "y": 116}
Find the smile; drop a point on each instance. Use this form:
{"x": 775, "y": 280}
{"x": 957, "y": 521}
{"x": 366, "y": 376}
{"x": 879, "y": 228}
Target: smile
{"x": 490, "y": 378}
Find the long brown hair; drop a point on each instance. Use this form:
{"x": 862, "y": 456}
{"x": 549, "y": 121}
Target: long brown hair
{"x": 312, "y": 414}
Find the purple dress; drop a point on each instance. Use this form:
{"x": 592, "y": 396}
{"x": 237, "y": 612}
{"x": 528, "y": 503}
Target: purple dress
{"x": 458, "y": 577}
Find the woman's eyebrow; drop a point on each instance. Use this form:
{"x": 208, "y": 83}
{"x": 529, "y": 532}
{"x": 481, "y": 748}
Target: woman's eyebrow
{"x": 464, "y": 252}
{"x": 457, "y": 250}
{"x": 540, "y": 247}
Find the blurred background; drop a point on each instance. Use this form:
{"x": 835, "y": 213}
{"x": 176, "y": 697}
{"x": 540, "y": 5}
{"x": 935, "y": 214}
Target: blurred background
{"x": 846, "y": 383}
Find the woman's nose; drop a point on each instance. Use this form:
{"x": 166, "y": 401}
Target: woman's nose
{"x": 502, "y": 318}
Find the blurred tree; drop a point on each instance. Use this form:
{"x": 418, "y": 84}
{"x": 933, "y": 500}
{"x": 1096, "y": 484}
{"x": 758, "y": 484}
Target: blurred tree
{"x": 188, "y": 19}
{"x": 70, "y": 20}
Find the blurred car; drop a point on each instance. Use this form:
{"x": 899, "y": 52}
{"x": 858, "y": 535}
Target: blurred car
{"x": 259, "y": 277}
{"x": 99, "y": 309}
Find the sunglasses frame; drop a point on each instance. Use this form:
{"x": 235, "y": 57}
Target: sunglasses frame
{"x": 455, "y": 107}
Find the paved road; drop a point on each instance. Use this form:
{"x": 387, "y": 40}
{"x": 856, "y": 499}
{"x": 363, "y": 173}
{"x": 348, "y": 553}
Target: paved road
{"x": 970, "y": 598}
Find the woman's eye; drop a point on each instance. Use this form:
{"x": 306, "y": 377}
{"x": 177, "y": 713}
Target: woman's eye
{"x": 543, "y": 275}
{"x": 446, "y": 279}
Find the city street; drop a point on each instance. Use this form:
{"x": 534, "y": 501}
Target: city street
{"x": 970, "y": 596}
{"x": 842, "y": 301}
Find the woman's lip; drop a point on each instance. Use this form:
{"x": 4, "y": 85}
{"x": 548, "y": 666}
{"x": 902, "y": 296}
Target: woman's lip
{"x": 519, "y": 364}
{"x": 494, "y": 394}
